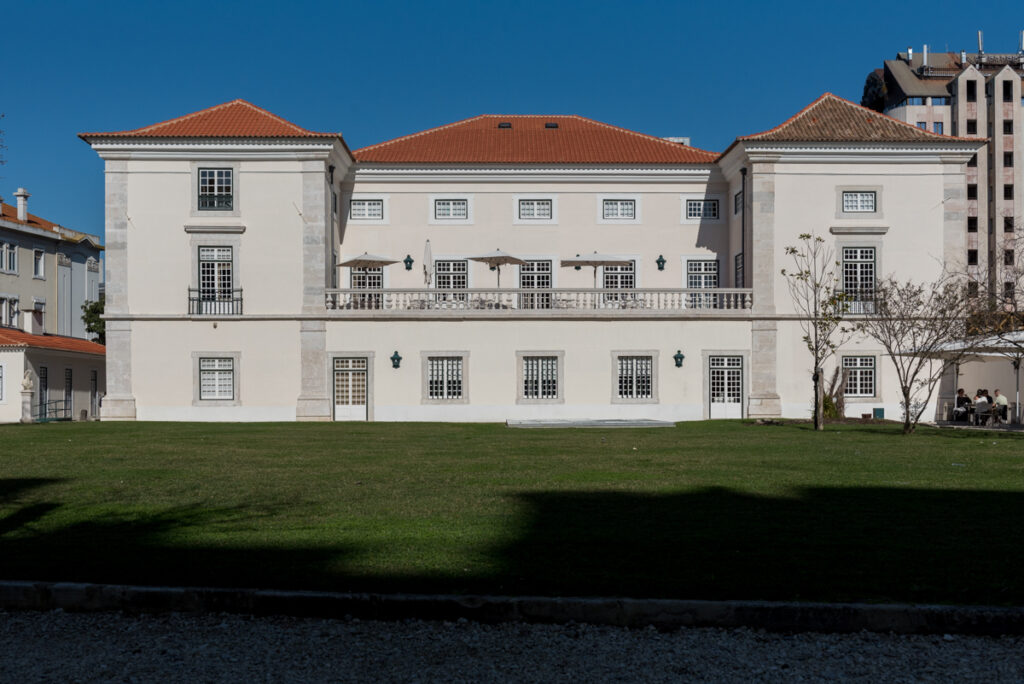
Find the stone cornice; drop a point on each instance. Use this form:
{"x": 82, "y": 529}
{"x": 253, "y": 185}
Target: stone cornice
{"x": 220, "y": 148}
{"x": 619, "y": 174}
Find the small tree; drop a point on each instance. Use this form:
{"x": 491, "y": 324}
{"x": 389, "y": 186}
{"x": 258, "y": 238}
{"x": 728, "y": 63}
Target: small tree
{"x": 92, "y": 316}
{"x": 813, "y": 287}
{"x": 1003, "y": 323}
{"x": 924, "y": 330}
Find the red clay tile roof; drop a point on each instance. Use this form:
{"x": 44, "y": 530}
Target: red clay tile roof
{"x": 832, "y": 119}
{"x": 10, "y": 213}
{"x": 577, "y": 140}
{"x": 235, "y": 119}
{"x": 9, "y": 337}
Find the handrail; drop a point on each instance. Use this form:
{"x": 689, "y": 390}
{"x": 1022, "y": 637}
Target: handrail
{"x": 214, "y": 302}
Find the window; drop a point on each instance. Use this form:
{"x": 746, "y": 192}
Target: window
{"x": 972, "y": 127}
{"x": 635, "y": 378}
{"x": 444, "y": 377}
{"x": 737, "y": 202}
{"x": 1007, "y": 257}
{"x": 535, "y": 209}
{"x": 972, "y": 224}
{"x": 737, "y": 269}
{"x": 215, "y": 189}
{"x": 619, "y": 278}
{"x": 861, "y": 380}
{"x": 9, "y": 312}
{"x": 1007, "y": 224}
{"x": 334, "y": 203}
{"x": 68, "y": 394}
{"x": 1008, "y": 191}
{"x": 972, "y": 162}
{"x": 619, "y": 209}
{"x": 451, "y": 275}
{"x": 937, "y": 127}
{"x": 702, "y": 209}
{"x": 8, "y": 257}
{"x": 367, "y": 279}
{"x": 535, "y": 275}
{"x": 972, "y": 91}
{"x": 859, "y": 278}
{"x": 367, "y": 209}
{"x": 923, "y": 125}
{"x": 38, "y": 264}
{"x": 44, "y": 388}
{"x": 915, "y": 100}
{"x": 216, "y": 379}
{"x": 540, "y": 377}
{"x": 215, "y": 277}
{"x": 972, "y": 191}
{"x": 1007, "y": 91}
{"x": 1008, "y": 127}
{"x": 702, "y": 274}
{"x": 1007, "y": 158}
{"x": 972, "y": 257}
{"x": 449, "y": 209}
{"x": 936, "y": 101}
{"x": 859, "y": 202}
{"x": 972, "y": 288}
{"x": 1009, "y": 291}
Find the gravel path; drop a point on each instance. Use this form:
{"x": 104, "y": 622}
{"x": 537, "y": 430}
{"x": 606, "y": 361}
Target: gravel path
{"x": 111, "y": 647}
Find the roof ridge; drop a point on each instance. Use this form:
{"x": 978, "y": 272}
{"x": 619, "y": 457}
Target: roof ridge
{"x": 423, "y": 132}
{"x": 209, "y": 110}
{"x": 788, "y": 121}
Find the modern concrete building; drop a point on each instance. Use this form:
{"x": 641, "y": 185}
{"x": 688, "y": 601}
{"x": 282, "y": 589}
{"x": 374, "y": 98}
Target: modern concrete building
{"x": 270, "y": 303}
{"x": 974, "y": 95}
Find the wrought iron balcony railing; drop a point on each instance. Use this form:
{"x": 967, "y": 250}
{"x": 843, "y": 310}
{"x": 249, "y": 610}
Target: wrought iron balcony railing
{"x": 219, "y": 302}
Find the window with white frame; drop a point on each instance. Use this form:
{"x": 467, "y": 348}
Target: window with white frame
{"x": 619, "y": 209}
{"x": 540, "y": 377}
{"x": 635, "y": 379}
{"x": 452, "y": 274}
{"x": 701, "y": 273}
{"x": 859, "y": 278}
{"x": 702, "y": 209}
{"x": 38, "y": 264}
{"x": 861, "y": 379}
{"x": 451, "y": 209}
{"x": 215, "y": 274}
{"x": 444, "y": 377}
{"x": 8, "y": 257}
{"x": 216, "y": 379}
{"x": 216, "y": 189}
{"x": 366, "y": 209}
{"x": 535, "y": 275}
{"x": 620, "y": 277}
{"x": 859, "y": 202}
{"x": 9, "y": 312}
{"x": 371, "y": 278}
{"x": 535, "y": 209}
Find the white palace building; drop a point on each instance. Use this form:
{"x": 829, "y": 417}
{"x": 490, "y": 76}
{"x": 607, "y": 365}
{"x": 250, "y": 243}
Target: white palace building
{"x": 259, "y": 271}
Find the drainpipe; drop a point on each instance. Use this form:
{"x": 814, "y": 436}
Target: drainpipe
{"x": 743, "y": 224}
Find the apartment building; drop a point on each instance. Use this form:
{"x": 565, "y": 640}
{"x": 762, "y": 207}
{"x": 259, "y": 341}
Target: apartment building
{"x": 501, "y": 267}
{"x": 976, "y": 95}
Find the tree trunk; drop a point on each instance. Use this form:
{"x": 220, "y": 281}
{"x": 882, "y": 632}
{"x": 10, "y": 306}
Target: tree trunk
{"x": 819, "y": 401}
{"x": 908, "y": 425}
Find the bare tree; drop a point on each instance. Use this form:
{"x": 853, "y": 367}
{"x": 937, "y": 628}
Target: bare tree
{"x": 924, "y": 329}
{"x": 820, "y": 305}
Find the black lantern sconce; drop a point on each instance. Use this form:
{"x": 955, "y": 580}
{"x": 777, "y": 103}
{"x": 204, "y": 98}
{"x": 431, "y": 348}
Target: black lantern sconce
{"x": 408, "y": 265}
{"x": 577, "y": 267}
{"x": 396, "y": 360}
{"x": 661, "y": 262}
{"x": 678, "y": 356}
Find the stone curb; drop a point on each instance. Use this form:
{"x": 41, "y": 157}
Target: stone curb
{"x": 622, "y": 612}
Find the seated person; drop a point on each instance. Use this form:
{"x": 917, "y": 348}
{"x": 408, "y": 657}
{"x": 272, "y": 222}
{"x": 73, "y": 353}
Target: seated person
{"x": 1000, "y": 407}
{"x": 962, "y": 407}
{"x": 981, "y": 407}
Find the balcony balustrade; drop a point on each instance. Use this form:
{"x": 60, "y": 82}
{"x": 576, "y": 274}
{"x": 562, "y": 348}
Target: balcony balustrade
{"x": 540, "y": 302}
{"x": 215, "y": 302}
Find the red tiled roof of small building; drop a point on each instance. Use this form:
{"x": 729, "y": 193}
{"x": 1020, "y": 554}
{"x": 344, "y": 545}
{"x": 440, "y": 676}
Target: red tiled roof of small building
{"x": 9, "y": 337}
{"x": 576, "y": 140}
{"x": 10, "y": 213}
{"x": 235, "y": 119}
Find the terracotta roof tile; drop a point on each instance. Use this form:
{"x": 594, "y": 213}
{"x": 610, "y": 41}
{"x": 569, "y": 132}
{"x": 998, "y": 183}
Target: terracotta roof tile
{"x": 9, "y": 337}
{"x": 235, "y": 119}
{"x": 576, "y": 140}
{"x": 832, "y": 119}
{"x": 10, "y": 213}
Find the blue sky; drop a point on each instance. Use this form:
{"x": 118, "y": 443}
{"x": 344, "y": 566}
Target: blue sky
{"x": 377, "y": 70}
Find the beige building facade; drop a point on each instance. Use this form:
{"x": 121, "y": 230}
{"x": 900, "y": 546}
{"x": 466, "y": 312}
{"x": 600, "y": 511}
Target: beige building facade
{"x": 683, "y": 314}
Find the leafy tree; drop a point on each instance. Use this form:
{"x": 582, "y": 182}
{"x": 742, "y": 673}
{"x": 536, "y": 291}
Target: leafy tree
{"x": 874, "y": 93}
{"x": 820, "y": 305}
{"x": 92, "y": 316}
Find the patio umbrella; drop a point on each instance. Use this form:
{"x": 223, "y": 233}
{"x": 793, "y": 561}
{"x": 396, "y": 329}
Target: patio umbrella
{"x": 366, "y": 260}
{"x": 496, "y": 260}
{"x": 428, "y": 265}
{"x": 595, "y": 260}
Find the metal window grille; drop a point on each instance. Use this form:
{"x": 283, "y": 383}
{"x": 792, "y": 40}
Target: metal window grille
{"x": 859, "y": 278}
{"x": 619, "y": 209}
{"x": 861, "y": 380}
{"x": 371, "y": 210}
{"x": 635, "y": 377}
{"x": 68, "y": 394}
{"x": 444, "y": 377}
{"x": 215, "y": 189}
{"x": 535, "y": 275}
{"x": 726, "y": 379}
{"x": 540, "y": 377}
{"x": 534, "y": 209}
{"x": 858, "y": 202}
{"x": 701, "y": 209}
{"x": 451, "y": 209}
{"x": 217, "y": 379}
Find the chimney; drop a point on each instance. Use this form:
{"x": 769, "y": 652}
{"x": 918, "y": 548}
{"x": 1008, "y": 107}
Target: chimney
{"x": 22, "y": 196}
{"x": 910, "y": 55}
{"x": 981, "y": 44}
{"x": 924, "y": 58}
{"x": 963, "y": 58}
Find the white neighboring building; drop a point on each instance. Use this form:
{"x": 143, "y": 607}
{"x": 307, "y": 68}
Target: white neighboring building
{"x": 224, "y": 300}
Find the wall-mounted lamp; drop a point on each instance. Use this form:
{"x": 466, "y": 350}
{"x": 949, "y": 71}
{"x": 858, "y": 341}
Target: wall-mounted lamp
{"x": 577, "y": 267}
{"x": 661, "y": 262}
{"x": 678, "y": 356}
{"x": 396, "y": 360}
{"x": 408, "y": 266}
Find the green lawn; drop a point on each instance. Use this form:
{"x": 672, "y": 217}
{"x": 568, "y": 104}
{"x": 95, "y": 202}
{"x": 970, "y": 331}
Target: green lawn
{"x": 707, "y": 510}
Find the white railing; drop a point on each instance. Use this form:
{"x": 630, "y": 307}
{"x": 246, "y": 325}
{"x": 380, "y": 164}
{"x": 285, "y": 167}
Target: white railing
{"x": 552, "y": 301}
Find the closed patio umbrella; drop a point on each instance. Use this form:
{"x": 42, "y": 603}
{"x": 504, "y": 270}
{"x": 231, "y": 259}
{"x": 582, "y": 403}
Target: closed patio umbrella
{"x": 428, "y": 265}
{"x": 595, "y": 260}
{"x": 496, "y": 260}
